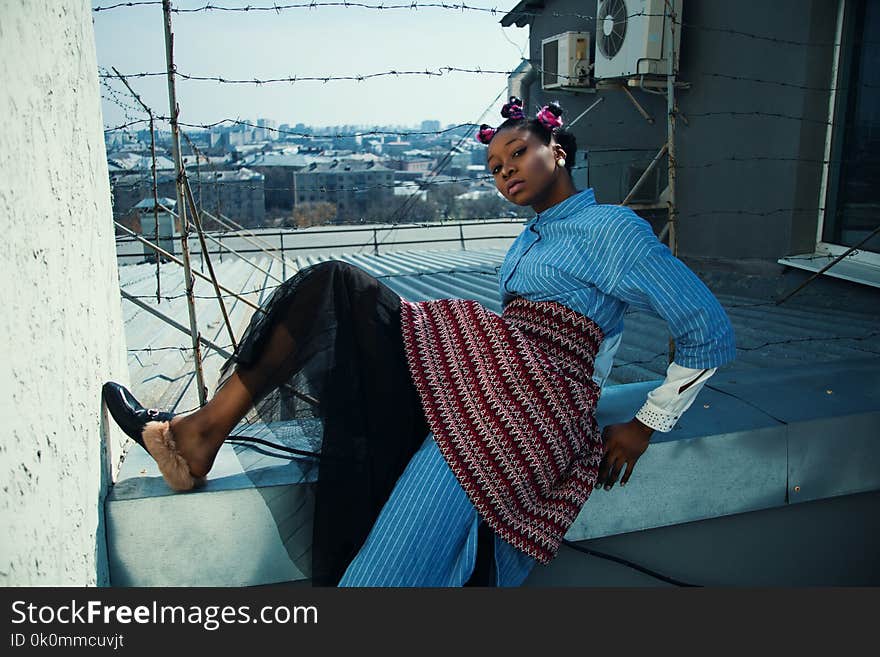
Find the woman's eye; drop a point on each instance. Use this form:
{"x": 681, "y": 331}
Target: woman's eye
{"x": 519, "y": 152}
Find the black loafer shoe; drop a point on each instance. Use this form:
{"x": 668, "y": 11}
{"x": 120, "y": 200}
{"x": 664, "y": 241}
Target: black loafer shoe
{"x": 128, "y": 412}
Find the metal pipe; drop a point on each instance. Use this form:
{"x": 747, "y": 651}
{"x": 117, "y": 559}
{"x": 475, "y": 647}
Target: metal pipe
{"x": 645, "y": 175}
{"x": 586, "y": 111}
{"x": 180, "y": 327}
{"x": 520, "y": 80}
{"x": 206, "y": 258}
{"x": 641, "y": 110}
{"x": 181, "y": 202}
{"x": 828, "y": 266}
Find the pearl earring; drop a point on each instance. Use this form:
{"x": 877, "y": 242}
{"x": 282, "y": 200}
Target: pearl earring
{"x": 561, "y": 161}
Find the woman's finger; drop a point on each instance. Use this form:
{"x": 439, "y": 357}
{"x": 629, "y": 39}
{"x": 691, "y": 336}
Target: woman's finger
{"x": 605, "y": 441}
{"x": 603, "y": 470}
{"x": 607, "y": 468}
{"x": 619, "y": 461}
{"x": 629, "y": 470}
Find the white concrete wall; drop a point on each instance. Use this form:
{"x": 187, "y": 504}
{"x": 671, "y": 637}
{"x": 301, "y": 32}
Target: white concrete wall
{"x": 60, "y": 319}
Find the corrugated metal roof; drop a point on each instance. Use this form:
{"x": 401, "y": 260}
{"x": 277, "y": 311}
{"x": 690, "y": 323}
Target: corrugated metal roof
{"x": 756, "y": 440}
{"x": 767, "y": 335}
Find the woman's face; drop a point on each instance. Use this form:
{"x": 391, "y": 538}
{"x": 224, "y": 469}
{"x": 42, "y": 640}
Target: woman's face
{"x": 524, "y": 168}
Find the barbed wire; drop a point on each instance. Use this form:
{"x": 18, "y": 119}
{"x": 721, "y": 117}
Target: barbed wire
{"x": 313, "y": 4}
{"x": 150, "y": 350}
{"x": 792, "y": 85}
{"x": 278, "y": 8}
{"x": 460, "y": 126}
{"x": 440, "y": 72}
{"x": 126, "y": 125}
{"x": 445, "y": 70}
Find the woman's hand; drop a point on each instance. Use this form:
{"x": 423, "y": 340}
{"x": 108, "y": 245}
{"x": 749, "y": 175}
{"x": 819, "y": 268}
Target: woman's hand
{"x": 624, "y": 444}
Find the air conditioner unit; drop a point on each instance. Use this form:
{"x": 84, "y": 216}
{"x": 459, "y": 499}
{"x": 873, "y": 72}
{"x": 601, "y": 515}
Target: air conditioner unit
{"x": 631, "y": 38}
{"x": 565, "y": 60}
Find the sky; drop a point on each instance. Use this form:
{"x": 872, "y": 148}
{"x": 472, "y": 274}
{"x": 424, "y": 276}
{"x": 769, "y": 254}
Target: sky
{"x": 321, "y": 41}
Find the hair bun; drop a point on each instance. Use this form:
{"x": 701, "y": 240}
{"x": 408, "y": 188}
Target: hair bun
{"x": 513, "y": 109}
{"x": 555, "y": 107}
{"x": 550, "y": 116}
{"x": 485, "y": 133}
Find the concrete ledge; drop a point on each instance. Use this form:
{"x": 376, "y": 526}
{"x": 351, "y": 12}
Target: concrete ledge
{"x": 753, "y": 440}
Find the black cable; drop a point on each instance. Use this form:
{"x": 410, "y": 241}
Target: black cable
{"x": 574, "y": 546}
{"x": 630, "y": 564}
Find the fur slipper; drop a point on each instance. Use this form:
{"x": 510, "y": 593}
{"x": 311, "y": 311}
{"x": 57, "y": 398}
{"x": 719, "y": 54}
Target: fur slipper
{"x": 160, "y": 443}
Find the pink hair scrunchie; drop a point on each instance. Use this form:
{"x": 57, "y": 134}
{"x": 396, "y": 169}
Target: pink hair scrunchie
{"x": 548, "y": 118}
{"x": 485, "y": 134}
{"x": 513, "y": 109}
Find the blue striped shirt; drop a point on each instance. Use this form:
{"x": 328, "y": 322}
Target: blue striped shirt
{"x": 600, "y": 259}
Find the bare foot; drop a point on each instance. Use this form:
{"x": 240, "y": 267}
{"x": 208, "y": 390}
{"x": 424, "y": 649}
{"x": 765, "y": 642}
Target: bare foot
{"x": 195, "y": 444}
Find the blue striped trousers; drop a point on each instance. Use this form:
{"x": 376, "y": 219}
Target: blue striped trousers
{"x": 426, "y": 534}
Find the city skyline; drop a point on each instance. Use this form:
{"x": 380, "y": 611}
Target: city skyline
{"x": 311, "y": 43}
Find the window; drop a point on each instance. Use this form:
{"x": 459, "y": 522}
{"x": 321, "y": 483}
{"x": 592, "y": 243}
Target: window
{"x": 853, "y": 201}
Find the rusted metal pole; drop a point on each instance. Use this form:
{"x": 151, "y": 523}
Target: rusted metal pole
{"x": 195, "y": 213}
{"x": 181, "y": 202}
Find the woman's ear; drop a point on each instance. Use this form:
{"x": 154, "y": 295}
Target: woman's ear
{"x": 558, "y": 152}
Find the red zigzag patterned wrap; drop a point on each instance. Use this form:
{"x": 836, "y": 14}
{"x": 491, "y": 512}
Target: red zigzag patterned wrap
{"x": 510, "y": 401}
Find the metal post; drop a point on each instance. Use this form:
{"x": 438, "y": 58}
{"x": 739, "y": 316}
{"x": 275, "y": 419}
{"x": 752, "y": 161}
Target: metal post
{"x": 283, "y": 261}
{"x": 670, "y": 140}
{"x": 375, "y": 243}
{"x": 181, "y": 202}
{"x": 195, "y": 213}
{"x": 155, "y": 208}
{"x": 461, "y": 237}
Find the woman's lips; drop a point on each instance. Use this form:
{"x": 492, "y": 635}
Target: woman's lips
{"x": 515, "y": 187}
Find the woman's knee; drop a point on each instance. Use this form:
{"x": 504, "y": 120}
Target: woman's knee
{"x": 336, "y": 267}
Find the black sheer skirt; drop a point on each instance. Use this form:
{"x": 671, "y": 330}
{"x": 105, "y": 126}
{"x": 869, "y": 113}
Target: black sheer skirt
{"x": 336, "y": 386}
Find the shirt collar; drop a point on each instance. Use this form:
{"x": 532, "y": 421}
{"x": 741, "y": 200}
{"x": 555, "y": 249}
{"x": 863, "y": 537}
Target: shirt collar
{"x": 580, "y": 199}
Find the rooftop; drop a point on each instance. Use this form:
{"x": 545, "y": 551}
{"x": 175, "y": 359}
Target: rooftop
{"x": 784, "y": 435}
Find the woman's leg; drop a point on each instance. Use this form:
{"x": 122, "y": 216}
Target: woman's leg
{"x": 426, "y": 534}
{"x": 200, "y": 434}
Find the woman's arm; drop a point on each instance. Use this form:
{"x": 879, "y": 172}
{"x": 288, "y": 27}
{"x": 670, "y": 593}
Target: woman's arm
{"x": 650, "y": 278}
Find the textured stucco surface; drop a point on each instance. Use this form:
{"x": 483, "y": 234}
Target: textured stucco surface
{"x": 61, "y": 318}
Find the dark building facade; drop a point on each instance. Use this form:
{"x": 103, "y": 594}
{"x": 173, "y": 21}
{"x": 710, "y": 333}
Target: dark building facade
{"x": 777, "y": 135}
{"x": 354, "y": 187}
{"x": 234, "y": 194}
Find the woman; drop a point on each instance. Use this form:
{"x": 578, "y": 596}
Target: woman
{"x": 441, "y": 420}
